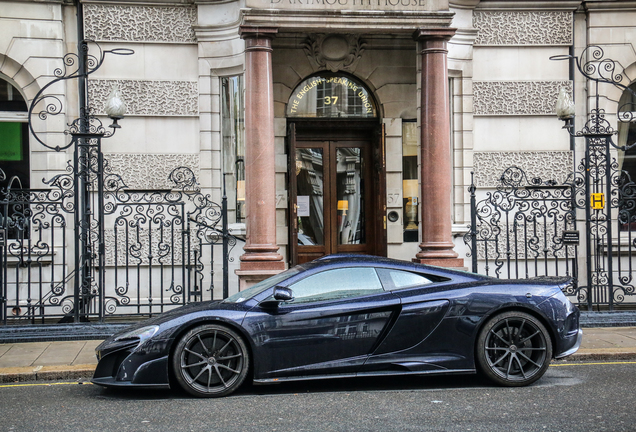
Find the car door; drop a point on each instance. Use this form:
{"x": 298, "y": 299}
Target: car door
{"x": 421, "y": 313}
{"x": 336, "y": 319}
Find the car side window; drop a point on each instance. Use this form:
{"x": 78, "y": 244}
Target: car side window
{"x": 337, "y": 284}
{"x": 403, "y": 279}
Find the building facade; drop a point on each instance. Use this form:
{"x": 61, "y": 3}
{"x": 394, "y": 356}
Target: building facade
{"x": 332, "y": 126}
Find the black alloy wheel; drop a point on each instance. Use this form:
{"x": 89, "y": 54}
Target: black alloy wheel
{"x": 210, "y": 361}
{"x": 514, "y": 349}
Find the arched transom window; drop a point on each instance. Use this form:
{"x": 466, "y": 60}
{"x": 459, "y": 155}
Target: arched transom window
{"x": 331, "y": 96}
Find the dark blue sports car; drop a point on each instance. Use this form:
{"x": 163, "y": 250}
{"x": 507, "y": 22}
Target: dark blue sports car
{"x": 348, "y": 316}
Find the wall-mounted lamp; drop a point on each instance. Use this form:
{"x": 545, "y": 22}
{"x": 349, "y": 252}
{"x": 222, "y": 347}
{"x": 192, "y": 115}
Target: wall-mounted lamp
{"x": 115, "y": 107}
{"x": 565, "y": 107}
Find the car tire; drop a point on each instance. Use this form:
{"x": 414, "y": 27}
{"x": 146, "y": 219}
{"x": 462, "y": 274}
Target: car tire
{"x": 210, "y": 361}
{"x": 514, "y": 349}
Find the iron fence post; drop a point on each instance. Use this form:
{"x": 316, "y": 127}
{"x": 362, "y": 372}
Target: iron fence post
{"x": 608, "y": 222}
{"x": 3, "y": 269}
{"x": 84, "y": 165}
{"x": 588, "y": 226}
{"x": 101, "y": 250}
{"x": 473, "y": 221}
{"x": 226, "y": 239}
{"x": 188, "y": 232}
{"x": 185, "y": 254}
{"x": 77, "y": 224}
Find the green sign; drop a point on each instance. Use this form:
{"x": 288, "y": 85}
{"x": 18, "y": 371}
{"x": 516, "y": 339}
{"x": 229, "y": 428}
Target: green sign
{"x": 10, "y": 141}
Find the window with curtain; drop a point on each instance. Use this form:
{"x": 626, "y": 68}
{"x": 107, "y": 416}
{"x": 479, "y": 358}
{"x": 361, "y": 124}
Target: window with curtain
{"x": 410, "y": 182}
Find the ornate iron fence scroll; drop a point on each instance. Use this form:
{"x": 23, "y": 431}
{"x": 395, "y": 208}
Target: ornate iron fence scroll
{"x": 528, "y": 228}
{"x": 626, "y": 247}
{"x": 524, "y": 228}
{"x": 608, "y": 199}
{"x": 34, "y": 248}
{"x": 161, "y": 245}
{"x": 150, "y": 250}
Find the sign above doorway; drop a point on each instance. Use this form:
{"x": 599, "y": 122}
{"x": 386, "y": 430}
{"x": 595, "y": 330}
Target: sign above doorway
{"x": 331, "y": 96}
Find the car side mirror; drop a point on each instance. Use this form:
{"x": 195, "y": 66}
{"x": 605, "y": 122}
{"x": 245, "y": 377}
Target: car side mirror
{"x": 281, "y": 294}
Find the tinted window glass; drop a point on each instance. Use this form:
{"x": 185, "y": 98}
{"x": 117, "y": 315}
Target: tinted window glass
{"x": 337, "y": 284}
{"x": 254, "y": 290}
{"x": 403, "y": 279}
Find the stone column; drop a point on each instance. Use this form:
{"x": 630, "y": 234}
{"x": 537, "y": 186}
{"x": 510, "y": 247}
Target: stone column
{"x": 261, "y": 258}
{"x": 437, "y": 245}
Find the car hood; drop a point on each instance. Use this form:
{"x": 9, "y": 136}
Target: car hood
{"x": 177, "y": 314}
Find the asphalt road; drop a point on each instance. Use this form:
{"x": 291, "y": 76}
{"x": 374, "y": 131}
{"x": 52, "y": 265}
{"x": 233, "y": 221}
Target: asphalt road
{"x": 570, "y": 397}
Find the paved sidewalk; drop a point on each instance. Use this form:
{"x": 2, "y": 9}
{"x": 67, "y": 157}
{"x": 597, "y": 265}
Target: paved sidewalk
{"x": 75, "y": 360}
{"x": 31, "y": 361}
{"x": 606, "y": 343}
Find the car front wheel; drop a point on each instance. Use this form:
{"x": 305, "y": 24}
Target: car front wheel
{"x": 514, "y": 349}
{"x": 210, "y": 361}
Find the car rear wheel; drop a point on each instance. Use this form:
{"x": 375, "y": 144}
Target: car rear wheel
{"x": 514, "y": 349}
{"x": 210, "y": 361}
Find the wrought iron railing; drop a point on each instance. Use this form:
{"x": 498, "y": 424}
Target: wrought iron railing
{"x": 521, "y": 229}
{"x": 158, "y": 249}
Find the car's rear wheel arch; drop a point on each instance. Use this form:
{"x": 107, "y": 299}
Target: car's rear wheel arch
{"x": 514, "y": 308}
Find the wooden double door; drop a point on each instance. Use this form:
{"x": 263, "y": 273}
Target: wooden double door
{"x": 335, "y": 198}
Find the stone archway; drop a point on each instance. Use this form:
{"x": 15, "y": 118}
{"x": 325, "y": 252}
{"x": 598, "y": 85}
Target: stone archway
{"x": 19, "y": 76}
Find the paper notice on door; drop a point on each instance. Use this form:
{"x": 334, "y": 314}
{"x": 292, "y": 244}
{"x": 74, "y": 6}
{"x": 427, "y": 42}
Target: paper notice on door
{"x": 302, "y": 201}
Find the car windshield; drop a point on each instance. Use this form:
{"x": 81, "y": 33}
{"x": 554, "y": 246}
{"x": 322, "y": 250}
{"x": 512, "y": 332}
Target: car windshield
{"x": 247, "y": 294}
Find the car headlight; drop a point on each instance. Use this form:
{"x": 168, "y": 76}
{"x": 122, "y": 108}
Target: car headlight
{"x": 141, "y": 333}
